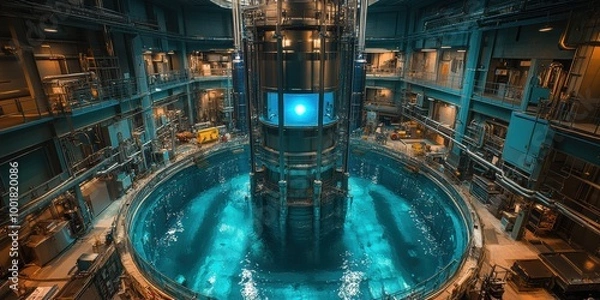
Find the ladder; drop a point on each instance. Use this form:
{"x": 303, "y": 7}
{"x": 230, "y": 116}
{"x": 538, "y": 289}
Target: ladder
{"x": 578, "y": 68}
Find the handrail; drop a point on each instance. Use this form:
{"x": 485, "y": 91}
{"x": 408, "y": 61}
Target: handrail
{"x": 20, "y": 109}
{"x": 131, "y": 206}
{"x": 427, "y": 286}
{"x": 433, "y": 78}
{"x": 129, "y": 209}
{"x": 505, "y": 93}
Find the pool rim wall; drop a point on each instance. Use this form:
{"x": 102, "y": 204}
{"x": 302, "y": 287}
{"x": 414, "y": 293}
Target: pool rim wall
{"x": 144, "y": 277}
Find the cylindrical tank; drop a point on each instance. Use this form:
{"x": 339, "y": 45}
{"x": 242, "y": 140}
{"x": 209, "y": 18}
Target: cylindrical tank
{"x": 358, "y": 92}
{"x": 295, "y": 46}
{"x": 238, "y": 77}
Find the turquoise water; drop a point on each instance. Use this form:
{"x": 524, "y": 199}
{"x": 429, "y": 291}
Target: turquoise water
{"x": 393, "y": 238}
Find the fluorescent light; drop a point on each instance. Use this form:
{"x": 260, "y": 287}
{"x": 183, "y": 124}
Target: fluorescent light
{"x": 545, "y": 28}
{"x": 428, "y": 50}
{"x": 45, "y": 46}
{"x": 446, "y": 47}
{"x": 461, "y": 50}
{"x": 52, "y": 30}
{"x": 171, "y": 52}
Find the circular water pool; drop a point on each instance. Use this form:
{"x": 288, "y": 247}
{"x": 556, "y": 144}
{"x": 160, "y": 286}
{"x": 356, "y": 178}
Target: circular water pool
{"x": 403, "y": 233}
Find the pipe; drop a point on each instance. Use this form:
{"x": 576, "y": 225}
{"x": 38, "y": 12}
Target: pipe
{"x": 562, "y": 42}
{"x": 321, "y": 105}
{"x": 362, "y": 26}
{"x": 237, "y": 29}
{"x": 71, "y": 75}
{"x": 280, "y": 94}
{"x": 105, "y": 171}
{"x": 527, "y": 193}
{"x": 569, "y": 212}
{"x": 61, "y": 57}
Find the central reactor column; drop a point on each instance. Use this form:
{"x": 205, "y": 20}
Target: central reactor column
{"x": 299, "y": 61}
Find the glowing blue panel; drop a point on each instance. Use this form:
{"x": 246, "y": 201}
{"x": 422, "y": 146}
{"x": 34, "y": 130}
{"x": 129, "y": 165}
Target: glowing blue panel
{"x": 299, "y": 109}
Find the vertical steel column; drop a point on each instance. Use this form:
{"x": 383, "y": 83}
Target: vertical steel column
{"x": 142, "y": 83}
{"x": 249, "y": 104}
{"x": 86, "y": 215}
{"x": 188, "y": 90}
{"x": 317, "y": 190}
{"x": 317, "y": 182}
{"x": 27, "y": 62}
{"x": 283, "y": 209}
{"x": 280, "y": 110}
{"x": 467, "y": 91}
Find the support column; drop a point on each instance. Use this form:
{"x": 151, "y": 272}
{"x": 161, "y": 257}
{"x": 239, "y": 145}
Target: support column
{"x": 142, "y": 83}
{"x": 530, "y": 83}
{"x": 188, "y": 89}
{"x": 27, "y": 61}
{"x": 318, "y": 187}
{"x": 467, "y": 91}
{"x": 61, "y": 157}
{"x": 85, "y": 212}
{"x": 283, "y": 209}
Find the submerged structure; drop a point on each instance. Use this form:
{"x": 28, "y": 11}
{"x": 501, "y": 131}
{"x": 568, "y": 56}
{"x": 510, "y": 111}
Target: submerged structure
{"x": 299, "y": 66}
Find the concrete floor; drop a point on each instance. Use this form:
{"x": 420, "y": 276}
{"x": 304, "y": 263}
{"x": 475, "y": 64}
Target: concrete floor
{"x": 501, "y": 249}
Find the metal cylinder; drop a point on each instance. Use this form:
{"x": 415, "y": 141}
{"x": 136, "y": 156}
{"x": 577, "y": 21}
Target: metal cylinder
{"x": 296, "y": 48}
{"x": 358, "y": 92}
{"x": 238, "y": 77}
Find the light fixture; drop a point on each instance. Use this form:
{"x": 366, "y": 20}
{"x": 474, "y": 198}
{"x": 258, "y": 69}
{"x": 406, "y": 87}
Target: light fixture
{"x": 446, "y": 47}
{"x": 546, "y": 28}
{"x": 428, "y": 50}
{"x": 45, "y": 46}
{"x": 51, "y": 30}
{"x": 171, "y": 52}
{"x": 461, "y": 50}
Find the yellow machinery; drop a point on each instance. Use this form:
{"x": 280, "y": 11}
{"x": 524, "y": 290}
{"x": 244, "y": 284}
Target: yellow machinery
{"x": 418, "y": 149}
{"x": 207, "y": 135}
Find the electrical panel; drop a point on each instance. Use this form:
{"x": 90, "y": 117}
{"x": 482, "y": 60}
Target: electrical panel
{"x": 527, "y": 142}
{"x": 117, "y": 132}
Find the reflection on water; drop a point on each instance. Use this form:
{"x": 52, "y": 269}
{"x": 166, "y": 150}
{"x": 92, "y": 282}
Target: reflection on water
{"x": 393, "y": 239}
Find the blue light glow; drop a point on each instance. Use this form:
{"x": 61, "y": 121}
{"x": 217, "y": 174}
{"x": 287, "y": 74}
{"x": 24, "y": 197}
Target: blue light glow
{"x": 300, "y": 109}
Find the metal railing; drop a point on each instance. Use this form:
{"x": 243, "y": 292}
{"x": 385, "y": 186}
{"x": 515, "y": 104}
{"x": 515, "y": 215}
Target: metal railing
{"x": 578, "y": 116}
{"x": 433, "y": 78}
{"x": 79, "y": 166}
{"x": 119, "y": 89}
{"x": 68, "y": 95}
{"x": 127, "y": 213}
{"x": 506, "y": 94}
{"x": 213, "y": 72}
{"x": 19, "y": 110}
{"x": 384, "y": 71}
{"x": 158, "y": 80}
{"x": 129, "y": 209}
{"x": 425, "y": 287}
{"x": 433, "y": 284}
